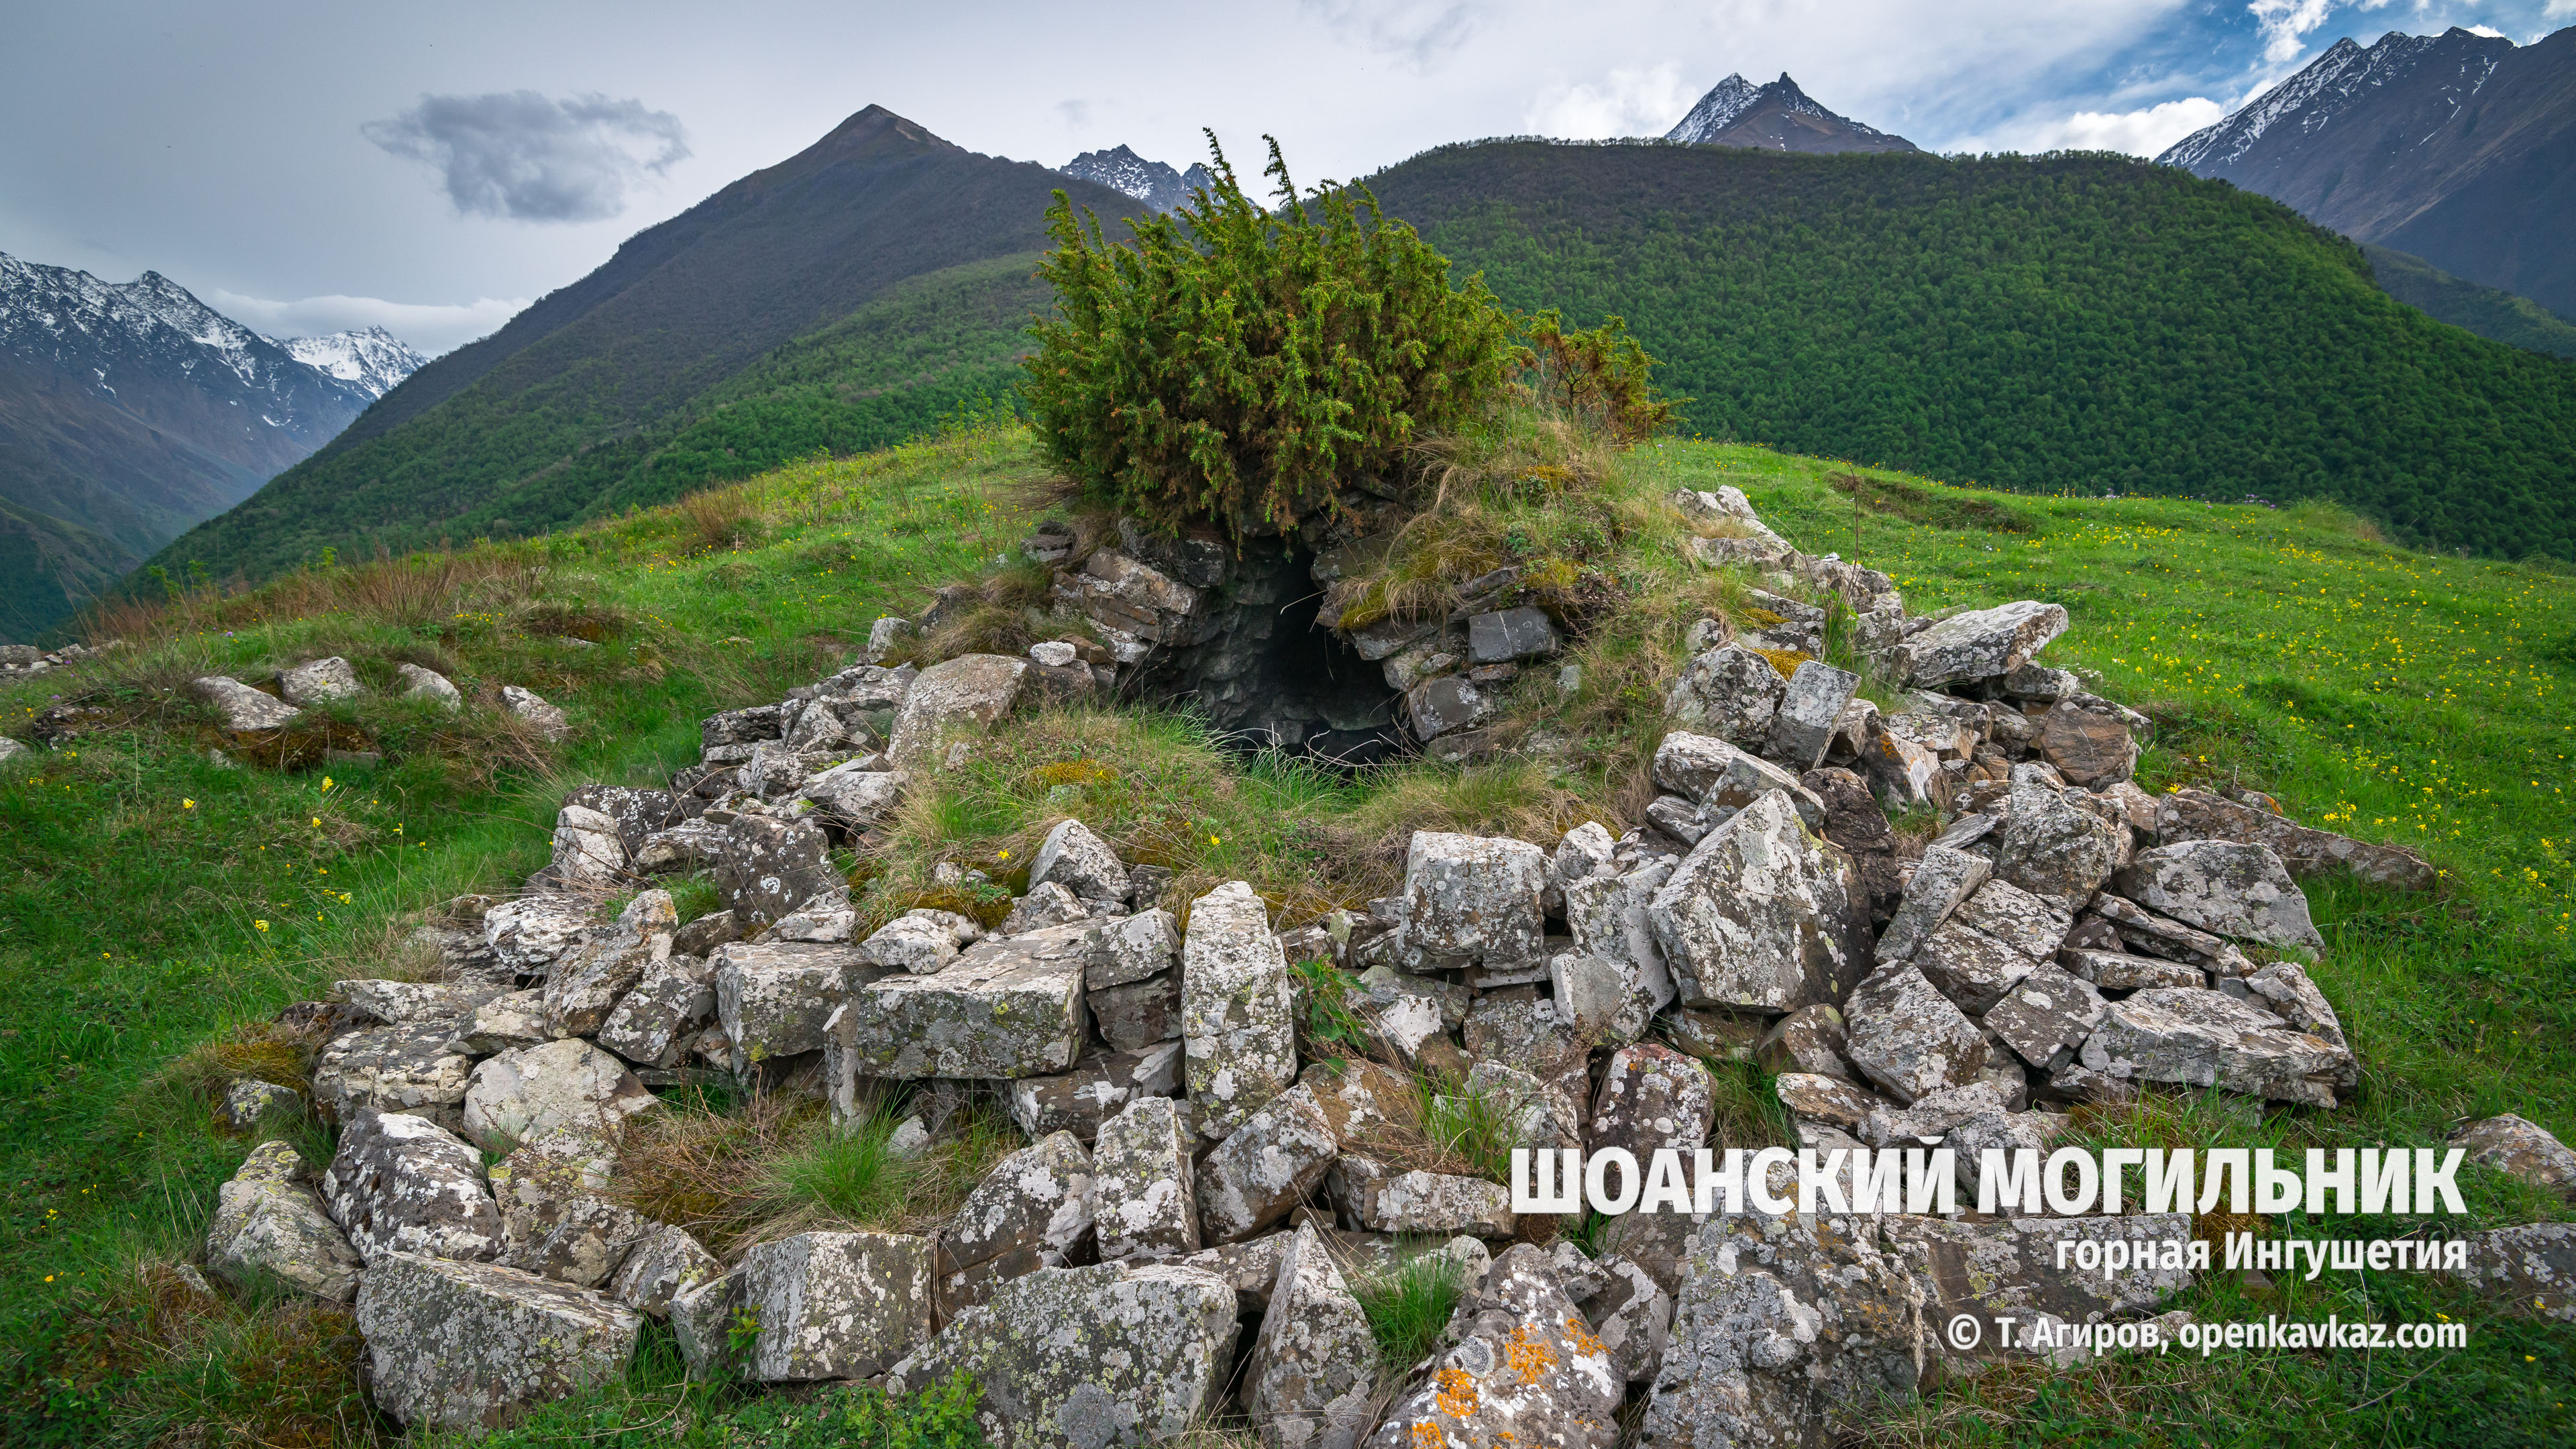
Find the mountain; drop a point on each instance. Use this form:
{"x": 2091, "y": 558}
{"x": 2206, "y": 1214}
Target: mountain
{"x": 667, "y": 369}
{"x": 2061, "y": 324}
{"x": 1151, "y": 182}
{"x": 2486, "y": 311}
{"x": 1776, "y": 117}
{"x": 129, "y": 412}
{"x": 2457, "y": 148}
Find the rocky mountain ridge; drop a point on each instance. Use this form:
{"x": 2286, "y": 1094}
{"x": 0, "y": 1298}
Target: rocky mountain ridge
{"x": 2454, "y": 148}
{"x": 1776, "y": 117}
{"x": 1152, "y": 182}
{"x": 130, "y": 411}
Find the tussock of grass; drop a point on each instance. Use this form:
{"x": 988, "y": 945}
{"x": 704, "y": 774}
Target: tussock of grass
{"x": 737, "y": 1172}
{"x": 1409, "y": 1305}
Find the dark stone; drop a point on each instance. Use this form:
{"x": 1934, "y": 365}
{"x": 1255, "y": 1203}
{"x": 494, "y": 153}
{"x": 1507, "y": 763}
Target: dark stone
{"x": 768, "y": 868}
{"x": 1854, "y": 821}
{"x": 1522, "y": 633}
{"x": 741, "y": 726}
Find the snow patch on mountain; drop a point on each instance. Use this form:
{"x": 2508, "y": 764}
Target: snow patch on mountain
{"x": 374, "y": 359}
{"x": 1152, "y": 182}
{"x": 2324, "y": 92}
{"x": 1717, "y": 110}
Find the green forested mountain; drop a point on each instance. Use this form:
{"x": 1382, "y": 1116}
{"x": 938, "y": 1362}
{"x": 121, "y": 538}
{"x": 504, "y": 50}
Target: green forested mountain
{"x": 2487, "y": 311}
{"x": 839, "y": 300}
{"x": 2073, "y": 323}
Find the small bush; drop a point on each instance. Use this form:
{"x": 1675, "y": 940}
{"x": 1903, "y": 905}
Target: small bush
{"x": 1245, "y": 367}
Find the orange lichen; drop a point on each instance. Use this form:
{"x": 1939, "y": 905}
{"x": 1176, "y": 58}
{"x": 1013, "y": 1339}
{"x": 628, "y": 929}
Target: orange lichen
{"x": 1426, "y": 1435}
{"x": 1527, "y": 1356}
{"x": 1584, "y": 1342}
{"x": 1457, "y": 1396}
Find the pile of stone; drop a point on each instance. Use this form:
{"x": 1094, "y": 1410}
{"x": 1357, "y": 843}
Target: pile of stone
{"x": 244, "y": 709}
{"x": 26, "y": 659}
{"x": 1191, "y": 1182}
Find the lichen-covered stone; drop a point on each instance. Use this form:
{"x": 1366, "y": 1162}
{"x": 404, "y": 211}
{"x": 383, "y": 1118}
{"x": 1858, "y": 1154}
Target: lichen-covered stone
{"x": 1378, "y": 1198}
{"x": 429, "y": 684}
{"x": 471, "y": 1346}
{"x": 952, "y": 701}
{"x": 1803, "y": 729}
{"x": 1762, "y": 914}
{"x": 2088, "y": 742}
{"x": 1238, "y": 1029}
{"x": 653, "y": 1023}
{"x": 412, "y": 1067}
{"x": 2527, "y": 1271}
{"x": 529, "y": 934}
{"x": 1527, "y": 1370}
{"x": 1779, "y": 1324}
{"x": 1970, "y": 967}
{"x": 1652, "y": 1097}
{"x": 530, "y": 1092}
{"x": 512, "y": 1019}
{"x": 767, "y": 868}
{"x": 2017, "y": 918}
{"x": 401, "y": 1003}
{"x": 2208, "y": 1038}
{"x": 2058, "y": 851}
{"x": 585, "y": 985}
{"x": 1139, "y": 1014}
{"x": 1073, "y": 857}
{"x": 1090, "y": 1357}
{"x": 1809, "y": 1039}
{"x": 1265, "y": 1167}
{"x": 1098, "y": 1086}
{"x": 549, "y": 721}
{"x": 1908, "y": 1039}
{"x": 1313, "y": 1366}
{"x": 2199, "y": 815}
{"x": 1826, "y": 1101}
{"x": 2223, "y": 887}
{"x": 2047, "y": 1016}
{"x": 772, "y": 1001}
{"x": 539, "y": 1183}
{"x": 1721, "y": 779}
{"x": 1011, "y": 1006}
{"x": 1032, "y": 1211}
{"x": 241, "y": 707}
{"x": 664, "y": 1264}
{"x": 1472, "y": 900}
{"x": 2012, "y": 1269}
{"x": 2120, "y": 971}
{"x": 1980, "y": 644}
{"x": 835, "y": 1305}
{"x": 2521, "y": 1148}
{"x": 1142, "y": 1205}
{"x": 586, "y": 850}
{"x": 920, "y": 941}
{"x": 1730, "y": 692}
{"x": 403, "y": 1184}
{"x": 269, "y": 1226}
{"x": 1633, "y": 1316}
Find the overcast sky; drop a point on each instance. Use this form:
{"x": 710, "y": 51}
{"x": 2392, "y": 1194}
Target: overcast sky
{"x": 312, "y": 166}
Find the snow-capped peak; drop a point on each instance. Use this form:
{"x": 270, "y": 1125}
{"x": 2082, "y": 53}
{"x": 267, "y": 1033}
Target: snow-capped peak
{"x": 2325, "y": 88}
{"x": 374, "y": 359}
{"x": 1717, "y": 110}
{"x": 1152, "y": 182}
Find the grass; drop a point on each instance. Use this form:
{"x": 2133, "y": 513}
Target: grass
{"x": 1409, "y": 1304}
{"x": 2389, "y": 694}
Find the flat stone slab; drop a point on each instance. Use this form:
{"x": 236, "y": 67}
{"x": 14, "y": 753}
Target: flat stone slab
{"x": 470, "y": 1346}
{"x": 1089, "y": 1356}
{"x": 773, "y": 1001}
{"x": 2207, "y": 1038}
{"x": 2200, "y": 815}
{"x": 1379, "y": 1199}
{"x": 1009, "y": 1007}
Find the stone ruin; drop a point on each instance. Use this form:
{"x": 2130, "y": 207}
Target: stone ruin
{"x": 1181, "y": 1236}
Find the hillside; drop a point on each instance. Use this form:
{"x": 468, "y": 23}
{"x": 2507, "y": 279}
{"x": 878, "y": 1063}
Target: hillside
{"x": 2458, "y": 148}
{"x": 130, "y": 411}
{"x": 498, "y": 437}
{"x": 2059, "y": 324}
{"x": 2490, "y": 312}
{"x": 2399, "y": 696}
{"x": 48, "y": 569}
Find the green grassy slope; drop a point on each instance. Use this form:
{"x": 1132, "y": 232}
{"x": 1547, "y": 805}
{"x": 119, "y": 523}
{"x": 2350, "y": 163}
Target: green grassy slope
{"x": 2486, "y": 311}
{"x": 2390, "y": 694}
{"x": 2054, "y": 324}
{"x": 48, "y": 568}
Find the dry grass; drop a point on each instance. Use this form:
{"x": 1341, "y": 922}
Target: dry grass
{"x": 738, "y": 1174}
{"x": 716, "y": 518}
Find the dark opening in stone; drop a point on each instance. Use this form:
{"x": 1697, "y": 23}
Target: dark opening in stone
{"x": 1269, "y": 674}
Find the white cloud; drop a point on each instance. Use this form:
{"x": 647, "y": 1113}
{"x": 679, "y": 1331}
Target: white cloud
{"x": 1628, "y": 103}
{"x": 1420, "y": 34}
{"x": 2139, "y": 133}
{"x": 2489, "y": 31}
{"x": 2286, "y": 24}
{"x": 430, "y": 328}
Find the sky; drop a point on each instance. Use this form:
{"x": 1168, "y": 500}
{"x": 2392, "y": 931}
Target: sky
{"x": 308, "y": 167}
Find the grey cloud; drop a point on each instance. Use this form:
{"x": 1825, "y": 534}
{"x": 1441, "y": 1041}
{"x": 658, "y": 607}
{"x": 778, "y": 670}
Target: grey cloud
{"x": 1421, "y": 34}
{"x": 530, "y": 157}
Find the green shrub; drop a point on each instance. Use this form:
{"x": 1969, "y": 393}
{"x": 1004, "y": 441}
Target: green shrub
{"x": 1407, "y": 1307}
{"x": 1244, "y": 366}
